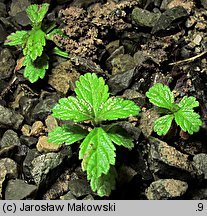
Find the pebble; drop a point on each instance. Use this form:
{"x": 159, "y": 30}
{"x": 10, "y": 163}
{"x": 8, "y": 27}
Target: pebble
{"x": 44, "y": 146}
{"x": 166, "y": 189}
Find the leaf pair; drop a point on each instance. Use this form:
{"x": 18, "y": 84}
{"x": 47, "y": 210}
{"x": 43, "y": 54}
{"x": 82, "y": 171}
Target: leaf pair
{"x": 97, "y": 150}
{"x": 183, "y": 113}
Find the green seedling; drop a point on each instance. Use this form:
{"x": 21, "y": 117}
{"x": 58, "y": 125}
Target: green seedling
{"x": 33, "y": 42}
{"x": 97, "y": 150}
{"x": 182, "y": 112}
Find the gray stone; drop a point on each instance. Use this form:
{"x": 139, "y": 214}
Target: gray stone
{"x": 8, "y": 170}
{"x": 88, "y": 197}
{"x": 204, "y": 3}
{"x": 166, "y": 189}
{"x": 10, "y": 119}
{"x": 27, "y": 163}
{"x": 199, "y": 194}
{"x": 10, "y": 138}
{"x": 28, "y": 141}
{"x": 18, "y": 189}
{"x": 3, "y": 12}
{"x": 134, "y": 95}
{"x": 45, "y": 169}
{"x": 3, "y": 34}
{"x": 44, "y": 107}
{"x": 7, "y": 63}
{"x": 147, "y": 120}
{"x": 131, "y": 130}
{"x": 122, "y": 63}
{"x": 26, "y": 106}
{"x": 18, "y": 6}
{"x": 68, "y": 196}
{"x": 120, "y": 82}
{"x": 125, "y": 174}
{"x": 9, "y": 142}
{"x": 22, "y": 19}
{"x": 200, "y": 163}
{"x": 79, "y": 187}
{"x": 144, "y": 17}
{"x": 168, "y": 19}
{"x": 165, "y": 160}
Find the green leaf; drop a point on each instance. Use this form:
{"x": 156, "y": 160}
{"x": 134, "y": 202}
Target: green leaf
{"x": 188, "y": 102}
{"x": 116, "y": 108}
{"x": 97, "y": 152}
{"x": 67, "y": 134}
{"x": 188, "y": 120}
{"x": 163, "y": 124}
{"x": 34, "y": 44}
{"x": 72, "y": 108}
{"x": 119, "y": 136}
{"x": 161, "y": 96}
{"x": 36, "y": 12}
{"x": 16, "y": 38}
{"x": 35, "y": 69}
{"x": 105, "y": 183}
{"x": 92, "y": 90}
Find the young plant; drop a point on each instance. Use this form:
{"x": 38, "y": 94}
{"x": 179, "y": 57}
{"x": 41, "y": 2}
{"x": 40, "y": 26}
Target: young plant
{"x": 183, "y": 113}
{"x": 97, "y": 150}
{"x": 34, "y": 41}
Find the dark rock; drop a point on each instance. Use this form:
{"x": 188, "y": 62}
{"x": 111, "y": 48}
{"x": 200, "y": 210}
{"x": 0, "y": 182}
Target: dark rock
{"x": 200, "y": 163}
{"x": 44, "y": 107}
{"x": 88, "y": 197}
{"x": 60, "y": 186}
{"x": 141, "y": 165}
{"x": 7, "y": 63}
{"x": 84, "y": 64}
{"x": 9, "y": 170}
{"x": 120, "y": 82}
{"x": 144, "y": 17}
{"x": 131, "y": 129}
{"x": 18, "y": 6}
{"x": 125, "y": 174}
{"x": 147, "y": 120}
{"x": 68, "y": 196}
{"x": 10, "y": 119}
{"x": 199, "y": 194}
{"x": 134, "y": 95}
{"x": 9, "y": 142}
{"x": 44, "y": 169}
{"x": 79, "y": 187}
{"x": 204, "y": 3}
{"x": 22, "y": 19}
{"x": 28, "y": 141}
{"x": 166, "y": 189}
{"x": 18, "y": 189}
{"x": 165, "y": 160}
{"x": 10, "y": 138}
{"x": 3, "y": 12}
{"x": 122, "y": 63}
{"x": 169, "y": 19}
{"x": 26, "y": 106}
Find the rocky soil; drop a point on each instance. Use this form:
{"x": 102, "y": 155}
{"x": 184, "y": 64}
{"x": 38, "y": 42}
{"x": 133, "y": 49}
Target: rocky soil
{"x": 133, "y": 44}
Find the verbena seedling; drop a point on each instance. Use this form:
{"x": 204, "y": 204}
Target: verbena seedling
{"x": 97, "y": 150}
{"x": 34, "y": 41}
{"x": 183, "y": 113}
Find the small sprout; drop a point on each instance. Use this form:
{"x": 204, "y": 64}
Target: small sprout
{"x": 183, "y": 113}
{"x": 33, "y": 43}
{"x": 97, "y": 150}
